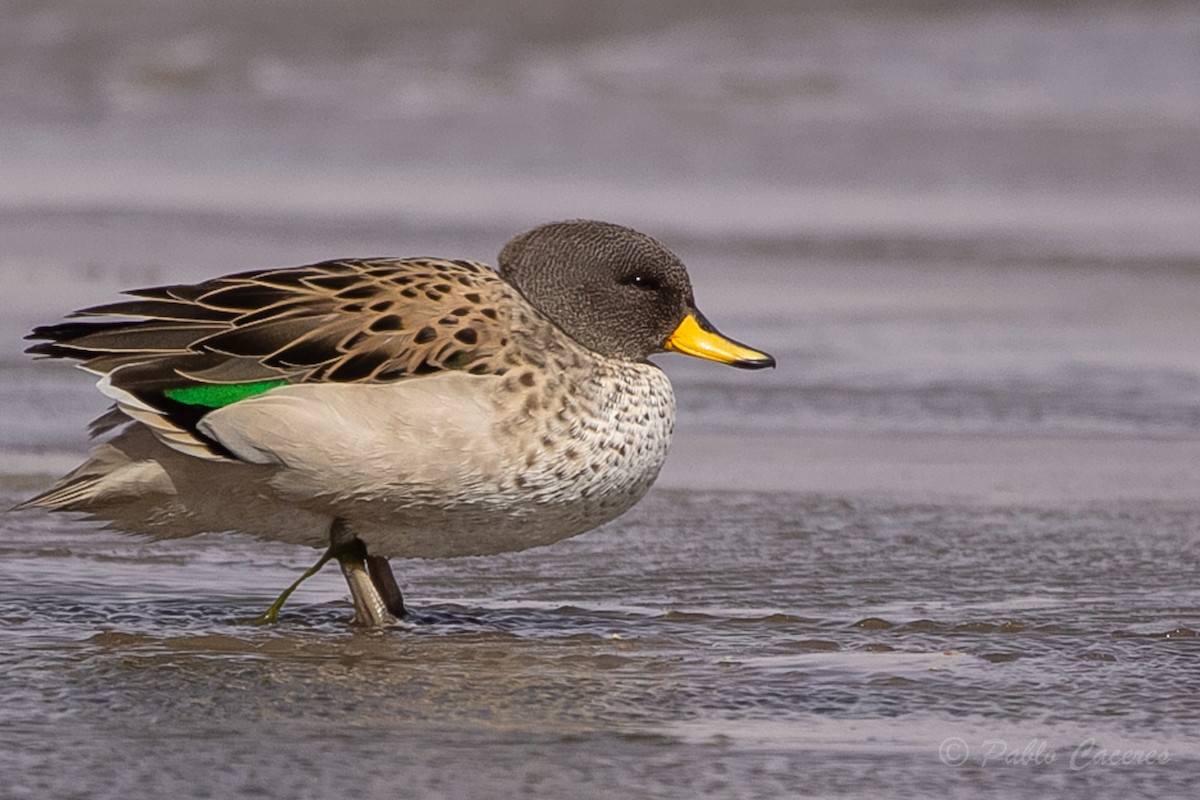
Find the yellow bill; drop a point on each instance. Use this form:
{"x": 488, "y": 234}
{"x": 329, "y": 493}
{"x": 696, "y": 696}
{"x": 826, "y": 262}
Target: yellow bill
{"x": 696, "y": 336}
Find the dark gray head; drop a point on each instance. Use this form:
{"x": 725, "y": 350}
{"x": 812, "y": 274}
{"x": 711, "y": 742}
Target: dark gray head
{"x": 616, "y": 291}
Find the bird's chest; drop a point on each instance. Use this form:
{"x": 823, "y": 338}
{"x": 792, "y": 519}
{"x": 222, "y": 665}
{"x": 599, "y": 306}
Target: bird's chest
{"x": 562, "y": 452}
{"x": 547, "y": 456}
{"x": 589, "y": 448}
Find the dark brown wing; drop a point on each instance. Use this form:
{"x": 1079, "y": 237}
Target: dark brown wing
{"x": 177, "y": 352}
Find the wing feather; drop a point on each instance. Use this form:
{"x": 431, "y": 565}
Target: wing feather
{"x": 346, "y": 321}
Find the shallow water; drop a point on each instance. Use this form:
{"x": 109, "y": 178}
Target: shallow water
{"x": 947, "y": 549}
{"x": 733, "y": 643}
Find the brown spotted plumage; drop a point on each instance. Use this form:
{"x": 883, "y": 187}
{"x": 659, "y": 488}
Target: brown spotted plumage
{"x": 422, "y": 406}
{"x": 345, "y": 321}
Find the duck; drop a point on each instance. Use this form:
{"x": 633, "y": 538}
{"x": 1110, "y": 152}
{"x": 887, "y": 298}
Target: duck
{"x": 383, "y": 408}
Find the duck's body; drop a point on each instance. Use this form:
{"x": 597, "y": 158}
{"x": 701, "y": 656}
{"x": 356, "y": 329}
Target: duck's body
{"x": 410, "y": 478}
{"x": 424, "y": 407}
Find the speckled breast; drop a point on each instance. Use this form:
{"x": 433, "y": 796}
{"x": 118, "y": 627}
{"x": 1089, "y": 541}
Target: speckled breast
{"x": 581, "y": 450}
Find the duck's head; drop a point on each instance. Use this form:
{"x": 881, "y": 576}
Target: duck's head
{"x": 617, "y": 292}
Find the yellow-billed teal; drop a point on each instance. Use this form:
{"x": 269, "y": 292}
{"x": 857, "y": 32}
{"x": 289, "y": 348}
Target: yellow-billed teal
{"x": 416, "y": 407}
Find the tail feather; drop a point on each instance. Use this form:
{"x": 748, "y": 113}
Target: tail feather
{"x": 107, "y": 422}
{"x": 136, "y": 483}
{"x": 74, "y": 495}
{"x": 109, "y": 475}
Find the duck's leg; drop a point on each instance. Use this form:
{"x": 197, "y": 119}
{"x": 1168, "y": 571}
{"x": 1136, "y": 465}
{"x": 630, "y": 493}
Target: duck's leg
{"x": 370, "y": 608}
{"x": 372, "y": 585}
{"x": 385, "y": 583}
{"x": 271, "y": 615}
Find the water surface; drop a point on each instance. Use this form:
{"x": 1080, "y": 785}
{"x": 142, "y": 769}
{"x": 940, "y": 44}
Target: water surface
{"x": 947, "y": 549}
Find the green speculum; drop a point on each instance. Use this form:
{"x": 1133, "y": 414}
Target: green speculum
{"x": 218, "y": 395}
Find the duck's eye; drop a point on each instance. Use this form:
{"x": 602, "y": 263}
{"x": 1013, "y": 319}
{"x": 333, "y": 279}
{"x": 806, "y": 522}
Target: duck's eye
{"x": 643, "y": 282}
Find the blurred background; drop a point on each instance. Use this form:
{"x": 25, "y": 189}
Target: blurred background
{"x": 945, "y": 217}
{"x": 999, "y": 130}
{"x": 965, "y": 504}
